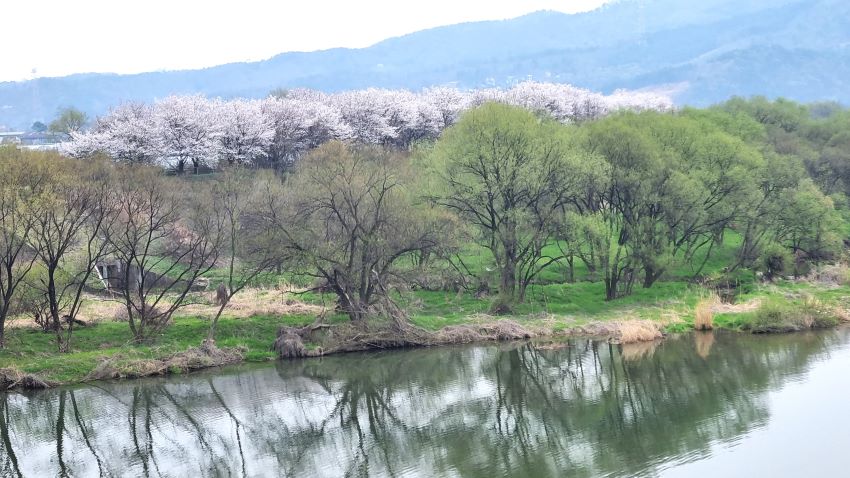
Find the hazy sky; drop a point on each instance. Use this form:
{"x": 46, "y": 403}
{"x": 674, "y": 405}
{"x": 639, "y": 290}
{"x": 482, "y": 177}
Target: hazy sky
{"x": 60, "y": 37}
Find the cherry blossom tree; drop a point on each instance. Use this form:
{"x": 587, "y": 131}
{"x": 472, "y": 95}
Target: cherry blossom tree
{"x": 300, "y": 124}
{"x": 449, "y": 103}
{"x": 280, "y": 129}
{"x": 246, "y": 133}
{"x": 127, "y": 134}
{"x": 370, "y": 114}
{"x": 188, "y": 128}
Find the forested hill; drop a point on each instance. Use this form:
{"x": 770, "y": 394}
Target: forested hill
{"x": 702, "y": 51}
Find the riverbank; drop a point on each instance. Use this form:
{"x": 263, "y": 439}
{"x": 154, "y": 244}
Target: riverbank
{"x": 104, "y": 349}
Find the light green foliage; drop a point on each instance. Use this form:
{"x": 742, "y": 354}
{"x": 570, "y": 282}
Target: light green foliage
{"x": 807, "y": 223}
{"x": 508, "y": 174}
{"x": 556, "y": 216}
{"x": 69, "y": 120}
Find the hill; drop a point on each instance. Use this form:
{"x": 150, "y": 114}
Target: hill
{"x": 702, "y": 52}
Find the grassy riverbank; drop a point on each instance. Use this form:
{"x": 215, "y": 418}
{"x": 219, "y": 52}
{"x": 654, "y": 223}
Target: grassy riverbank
{"x": 551, "y": 311}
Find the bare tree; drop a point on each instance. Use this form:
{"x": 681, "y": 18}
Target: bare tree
{"x": 348, "y": 217}
{"x": 247, "y": 256}
{"x": 18, "y": 187}
{"x": 68, "y": 222}
{"x": 161, "y": 244}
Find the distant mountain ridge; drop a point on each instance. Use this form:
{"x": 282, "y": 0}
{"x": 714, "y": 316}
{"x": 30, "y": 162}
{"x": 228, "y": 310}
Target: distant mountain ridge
{"x": 704, "y": 51}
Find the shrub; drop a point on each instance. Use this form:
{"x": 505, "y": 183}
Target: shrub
{"x": 775, "y": 261}
{"x": 778, "y": 317}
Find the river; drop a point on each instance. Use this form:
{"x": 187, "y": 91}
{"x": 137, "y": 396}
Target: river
{"x": 720, "y": 404}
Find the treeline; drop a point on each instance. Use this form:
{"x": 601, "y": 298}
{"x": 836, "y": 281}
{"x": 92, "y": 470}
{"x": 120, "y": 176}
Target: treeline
{"x": 179, "y": 131}
{"x": 630, "y": 196}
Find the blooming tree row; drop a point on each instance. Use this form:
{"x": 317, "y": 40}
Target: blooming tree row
{"x": 193, "y": 131}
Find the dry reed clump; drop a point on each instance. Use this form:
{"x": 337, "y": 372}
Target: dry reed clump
{"x": 786, "y": 316}
{"x": 497, "y": 330}
{"x": 842, "y": 314}
{"x": 833, "y": 275}
{"x": 632, "y": 331}
{"x": 749, "y": 306}
{"x": 458, "y": 334}
{"x": 704, "y": 312}
{"x": 13, "y": 378}
{"x": 195, "y": 358}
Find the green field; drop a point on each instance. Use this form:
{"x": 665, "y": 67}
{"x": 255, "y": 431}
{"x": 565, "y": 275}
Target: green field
{"x": 551, "y": 304}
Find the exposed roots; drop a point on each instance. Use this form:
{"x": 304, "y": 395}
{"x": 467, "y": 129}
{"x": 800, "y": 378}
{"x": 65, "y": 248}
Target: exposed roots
{"x": 13, "y": 378}
{"x": 397, "y": 334}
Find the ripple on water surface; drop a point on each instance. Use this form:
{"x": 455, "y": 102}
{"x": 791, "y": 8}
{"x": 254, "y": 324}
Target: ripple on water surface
{"x": 692, "y": 405}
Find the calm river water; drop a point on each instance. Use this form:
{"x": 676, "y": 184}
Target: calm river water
{"x": 694, "y": 405}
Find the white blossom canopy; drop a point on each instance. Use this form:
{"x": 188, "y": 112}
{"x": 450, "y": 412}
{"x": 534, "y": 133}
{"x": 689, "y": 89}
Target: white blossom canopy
{"x": 197, "y": 131}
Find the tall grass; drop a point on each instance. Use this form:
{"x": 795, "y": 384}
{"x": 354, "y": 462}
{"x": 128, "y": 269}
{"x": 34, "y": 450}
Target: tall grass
{"x": 704, "y": 312}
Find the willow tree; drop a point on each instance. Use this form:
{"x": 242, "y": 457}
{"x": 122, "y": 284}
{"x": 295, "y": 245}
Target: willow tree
{"x": 347, "y": 216}
{"x": 709, "y": 183}
{"x": 509, "y": 174}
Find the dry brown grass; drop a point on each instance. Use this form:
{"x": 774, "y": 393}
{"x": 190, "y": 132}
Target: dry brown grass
{"x": 247, "y": 303}
{"x": 720, "y": 308}
{"x": 842, "y": 314}
{"x": 254, "y": 302}
{"x": 704, "y": 312}
{"x": 493, "y": 330}
{"x": 633, "y": 331}
{"x": 830, "y": 275}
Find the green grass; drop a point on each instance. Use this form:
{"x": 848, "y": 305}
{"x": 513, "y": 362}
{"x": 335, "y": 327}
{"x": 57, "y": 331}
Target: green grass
{"x": 550, "y": 302}
{"x": 33, "y": 351}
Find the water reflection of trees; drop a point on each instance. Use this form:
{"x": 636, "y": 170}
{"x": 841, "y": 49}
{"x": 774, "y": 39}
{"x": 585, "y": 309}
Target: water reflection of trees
{"x": 588, "y": 409}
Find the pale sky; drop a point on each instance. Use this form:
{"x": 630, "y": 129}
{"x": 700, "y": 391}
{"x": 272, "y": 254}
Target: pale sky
{"x": 61, "y": 37}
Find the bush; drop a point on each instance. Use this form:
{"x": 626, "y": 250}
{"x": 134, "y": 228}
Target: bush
{"x": 775, "y": 260}
{"x": 779, "y": 317}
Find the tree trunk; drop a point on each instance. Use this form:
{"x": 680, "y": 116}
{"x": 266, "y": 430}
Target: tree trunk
{"x": 610, "y": 289}
{"x": 352, "y": 307}
{"x": 650, "y": 276}
{"x": 507, "y": 281}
